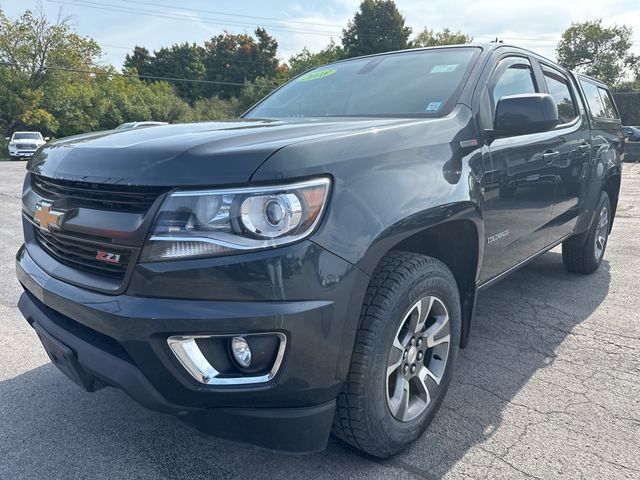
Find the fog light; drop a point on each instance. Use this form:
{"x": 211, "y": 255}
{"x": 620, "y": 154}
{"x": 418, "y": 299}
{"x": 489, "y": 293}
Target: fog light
{"x": 241, "y": 351}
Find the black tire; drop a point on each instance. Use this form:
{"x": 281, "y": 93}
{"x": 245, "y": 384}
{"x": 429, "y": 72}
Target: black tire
{"x": 581, "y": 254}
{"x": 363, "y": 415}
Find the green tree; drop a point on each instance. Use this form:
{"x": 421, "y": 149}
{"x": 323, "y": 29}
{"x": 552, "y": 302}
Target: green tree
{"x": 377, "y": 27}
{"x": 34, "y": 45}
{"x": 231, "y": 58}
{"x": 178, "y": 61}
{"x": 305, "y": 60}
{"x": 430, "y": 38}
{"x": 50, "y": 81}
{"x": 595, "y": 50}
{"x": 139, "y": 61}
{"x": 215, "y": 108}
{"x": 42, "y": 63}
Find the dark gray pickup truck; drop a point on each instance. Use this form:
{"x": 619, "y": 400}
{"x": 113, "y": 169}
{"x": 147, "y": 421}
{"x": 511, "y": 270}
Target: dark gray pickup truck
{"x": 313, "y": 266}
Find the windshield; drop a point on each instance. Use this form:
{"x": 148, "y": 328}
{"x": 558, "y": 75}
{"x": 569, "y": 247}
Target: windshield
{"x": 420, "y": 82}
{"x": 27, "y": 136}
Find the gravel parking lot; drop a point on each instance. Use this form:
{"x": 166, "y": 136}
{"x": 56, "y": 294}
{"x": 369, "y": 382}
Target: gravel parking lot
{"x": 549, "y": 387}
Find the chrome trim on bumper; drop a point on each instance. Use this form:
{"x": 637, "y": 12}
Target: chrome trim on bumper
{"x": 186, "y": 350}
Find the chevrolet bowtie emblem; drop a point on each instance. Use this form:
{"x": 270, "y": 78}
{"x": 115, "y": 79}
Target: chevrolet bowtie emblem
{"x": 46, "y": 216}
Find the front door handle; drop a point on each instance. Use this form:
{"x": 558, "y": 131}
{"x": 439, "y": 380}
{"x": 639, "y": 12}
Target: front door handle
{"x": 550, "y": 156}
{"x": 584, "y": 148}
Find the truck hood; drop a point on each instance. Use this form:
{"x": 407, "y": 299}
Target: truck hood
{"x": 211, "y": 153}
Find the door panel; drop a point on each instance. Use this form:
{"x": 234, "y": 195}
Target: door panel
{"x": 518, "y": 206}
{"x": 518, "y": 202}
{"x": 574, "y": 146}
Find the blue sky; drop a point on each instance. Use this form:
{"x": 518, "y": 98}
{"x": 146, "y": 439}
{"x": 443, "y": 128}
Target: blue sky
{"x": 536, "y": 25}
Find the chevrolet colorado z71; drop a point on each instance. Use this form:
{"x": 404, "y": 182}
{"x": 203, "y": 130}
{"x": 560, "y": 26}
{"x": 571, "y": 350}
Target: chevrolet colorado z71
{"x": 313, "y": 266}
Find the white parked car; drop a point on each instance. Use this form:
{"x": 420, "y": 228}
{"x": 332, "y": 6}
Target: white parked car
{"x": 24, "y": 144}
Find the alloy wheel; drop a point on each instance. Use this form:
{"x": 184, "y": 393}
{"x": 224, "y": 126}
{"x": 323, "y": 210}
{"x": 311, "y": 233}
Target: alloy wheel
{"x": 418, "y": 358}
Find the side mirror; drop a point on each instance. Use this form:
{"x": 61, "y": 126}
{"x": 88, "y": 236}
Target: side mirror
{"x": 46, "y": 139}
{"x": 7, "y": 138}
{"x": 525, "y": 113}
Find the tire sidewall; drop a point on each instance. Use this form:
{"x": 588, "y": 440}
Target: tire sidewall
{"x": 381, "y": 421}
{"x": 591, "y": 238}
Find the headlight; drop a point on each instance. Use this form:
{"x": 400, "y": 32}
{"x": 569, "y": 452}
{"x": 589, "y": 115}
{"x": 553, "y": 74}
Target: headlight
{"x": 216, "y": 222}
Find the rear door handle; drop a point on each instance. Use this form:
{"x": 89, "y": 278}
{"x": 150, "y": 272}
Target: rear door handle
{"x": 550, "y": 156}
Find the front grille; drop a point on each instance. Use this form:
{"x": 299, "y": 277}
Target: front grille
{"x": 26, "y": 146}
{"x": 101, "y": 196}
{"x": 80, "y": 253}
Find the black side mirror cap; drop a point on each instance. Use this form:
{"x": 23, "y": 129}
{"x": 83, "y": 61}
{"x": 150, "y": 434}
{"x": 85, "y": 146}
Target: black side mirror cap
{"x": 524, "y": 114}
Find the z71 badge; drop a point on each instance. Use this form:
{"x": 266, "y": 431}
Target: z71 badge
{"x": 107, "y": 257}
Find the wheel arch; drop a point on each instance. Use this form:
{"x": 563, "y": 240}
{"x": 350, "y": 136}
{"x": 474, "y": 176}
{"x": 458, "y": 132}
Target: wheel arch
{"x": 612, "y": 186}
{"x": 456, "y": 241}
{"x": 456, "y": 244}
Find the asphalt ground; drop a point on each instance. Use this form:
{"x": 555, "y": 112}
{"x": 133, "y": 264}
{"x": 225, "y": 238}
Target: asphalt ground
{"x": 549, "y": 387}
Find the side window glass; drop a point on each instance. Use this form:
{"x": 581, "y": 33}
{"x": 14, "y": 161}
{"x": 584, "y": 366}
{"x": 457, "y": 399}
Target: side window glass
{"x": 516, "y": 79}
{"x": 607, "y": 104}
{"x": 593, "y": 99}
{"x": 558, "y": 86}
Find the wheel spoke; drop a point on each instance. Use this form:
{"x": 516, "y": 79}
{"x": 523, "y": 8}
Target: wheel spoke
{"x": 604, "y": 218}
{"x": 419, "y": 314}
{"x": 433, "y": 375}
{"x": 395, "y": 357}
{"x": 438, "y": 332}
{"x": 403, "y": 406}
{"x": 422, "y": 382}
{"x": 399, "y": 403}
{"x": 425, "y": 308}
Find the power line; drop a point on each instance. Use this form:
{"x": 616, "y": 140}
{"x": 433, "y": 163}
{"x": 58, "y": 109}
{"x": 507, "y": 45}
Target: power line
{"x": 188, "y": 18}
{"x": 137, "y": 11}
{"x": 234, "y": 14}
{"x": 127, "y": 75}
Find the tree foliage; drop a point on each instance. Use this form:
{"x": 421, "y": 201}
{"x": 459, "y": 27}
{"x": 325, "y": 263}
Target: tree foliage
{"x": 50, "y": 81}
{"x": 234, "y": 59}
{"x": 595, "y": 50}
{"x": 430, "y": 38}
{"x": 33, "y": 44}
{"x": 377, "y": 27}
{"x": 305, "y": 60}
{"x": 177, "y": 61}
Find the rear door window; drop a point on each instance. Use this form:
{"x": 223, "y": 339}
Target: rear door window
{"x": 609, "y": 109}
{"x": 599, "y": 100}
{"x": 559, "y": 89}
{"x": 593, "y": 99}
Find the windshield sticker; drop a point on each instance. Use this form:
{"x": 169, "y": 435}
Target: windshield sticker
{"x": 444, "y": 68}
{"x": 433, "y": 107}
{"x": 317, "y": 75}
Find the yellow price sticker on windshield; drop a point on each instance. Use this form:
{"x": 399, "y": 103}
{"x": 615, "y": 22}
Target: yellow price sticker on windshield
{"x": 317, "y": 75}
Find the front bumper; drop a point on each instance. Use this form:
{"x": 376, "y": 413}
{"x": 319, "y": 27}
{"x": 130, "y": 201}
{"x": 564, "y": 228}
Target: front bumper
{"x": 121, "y": 340}
{"x": 22, "y": 153}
